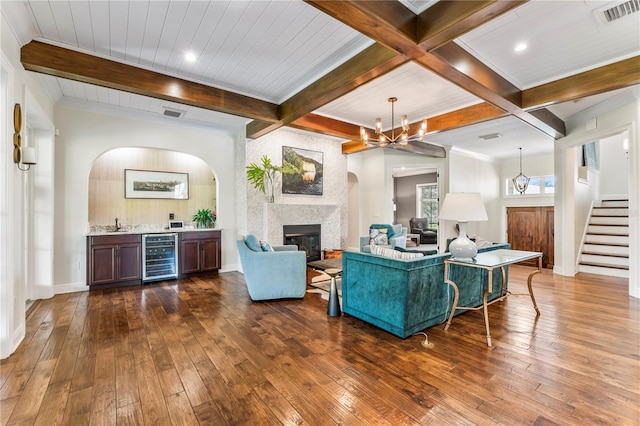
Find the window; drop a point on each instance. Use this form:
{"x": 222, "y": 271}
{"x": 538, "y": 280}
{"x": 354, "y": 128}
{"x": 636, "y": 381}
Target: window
{"x": 427, "y": 203}
{"x": 538, "y": 185}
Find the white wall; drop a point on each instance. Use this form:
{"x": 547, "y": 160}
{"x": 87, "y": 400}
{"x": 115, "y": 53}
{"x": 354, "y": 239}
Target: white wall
{"x": 16, "y": 193}
{"x": 472, "y": 173}
{"x": 614, "y": 166}
{"x": 84, "y": 135}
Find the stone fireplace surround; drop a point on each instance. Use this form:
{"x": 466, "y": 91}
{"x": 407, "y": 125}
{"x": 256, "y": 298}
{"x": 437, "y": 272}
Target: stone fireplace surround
{"x": 278, "y": 214}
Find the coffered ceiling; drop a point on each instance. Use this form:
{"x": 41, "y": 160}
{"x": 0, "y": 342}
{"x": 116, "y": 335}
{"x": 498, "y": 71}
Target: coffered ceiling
{"x": 330, "y": 66}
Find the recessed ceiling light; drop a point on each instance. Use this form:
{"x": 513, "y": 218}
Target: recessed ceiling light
{"x": 520, "y": 47}
{"x": 490, "y": 136}
{"x": 190, "y": 57}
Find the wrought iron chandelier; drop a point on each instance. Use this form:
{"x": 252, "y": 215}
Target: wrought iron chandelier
{"x": 403, "y": 138}
{"x": 520, "y": 182}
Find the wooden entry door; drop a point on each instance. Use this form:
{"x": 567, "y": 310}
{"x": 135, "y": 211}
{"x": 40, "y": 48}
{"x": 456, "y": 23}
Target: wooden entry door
{"x": 531, "y": 229}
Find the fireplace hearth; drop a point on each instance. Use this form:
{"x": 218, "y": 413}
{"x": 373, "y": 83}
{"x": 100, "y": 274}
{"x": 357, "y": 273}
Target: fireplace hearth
{"x": 306, "y": 237}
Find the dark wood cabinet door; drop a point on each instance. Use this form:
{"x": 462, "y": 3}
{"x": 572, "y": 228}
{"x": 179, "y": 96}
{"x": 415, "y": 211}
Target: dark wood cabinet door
{"x": 102, "y": 266}
{"x": 113, "y": 259}
{"x": 189, "y": 256}
{"x": 129, "y": 262}
{"x": 210, "y": 252}
{"x": 531, "y": 229}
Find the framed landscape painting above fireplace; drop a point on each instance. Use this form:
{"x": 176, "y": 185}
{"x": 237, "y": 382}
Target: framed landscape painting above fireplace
{"x": 309, "y": 179}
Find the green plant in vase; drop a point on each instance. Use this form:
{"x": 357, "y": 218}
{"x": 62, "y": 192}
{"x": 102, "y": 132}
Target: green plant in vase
{"x": 261, "y": 176}
{"x": 205, "y": 218}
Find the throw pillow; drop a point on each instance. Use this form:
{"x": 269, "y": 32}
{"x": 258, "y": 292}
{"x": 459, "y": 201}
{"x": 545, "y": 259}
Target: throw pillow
{"x": 482, "y": 243}
{"x": 393, "y": 254}
{"x": 265, "y": 246}
{"x": 397, "y": 230}
{"x": 424, "y": 252}
{"x": 378, "y": 236}
{"x": 252, "y": 242}
{"x": 389, "y": 228}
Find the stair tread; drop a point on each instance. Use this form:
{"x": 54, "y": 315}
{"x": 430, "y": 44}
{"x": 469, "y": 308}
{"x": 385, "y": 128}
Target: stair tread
{"x": 605, "y": 245}
{"x": 593, "y": 253}
{"x": 604, "y": 265}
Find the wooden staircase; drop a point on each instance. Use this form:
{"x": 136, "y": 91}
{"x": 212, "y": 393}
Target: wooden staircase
{"x": 605, "y": 250}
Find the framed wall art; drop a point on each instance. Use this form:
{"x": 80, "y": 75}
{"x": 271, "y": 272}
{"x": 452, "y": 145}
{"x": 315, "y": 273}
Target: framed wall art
{"x": 590, "y": 156}
{"x": 152, "y": 184}
{"x": 308, "y": 179}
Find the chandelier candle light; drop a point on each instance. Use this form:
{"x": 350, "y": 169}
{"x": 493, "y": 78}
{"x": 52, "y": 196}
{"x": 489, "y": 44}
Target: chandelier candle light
{"x": 403, "y": 138}
{"x": 463, "y": 207}
{"x": 520, "y": 182}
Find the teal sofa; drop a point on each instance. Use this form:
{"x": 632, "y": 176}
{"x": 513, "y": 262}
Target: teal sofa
{"x": 404, "y": 297}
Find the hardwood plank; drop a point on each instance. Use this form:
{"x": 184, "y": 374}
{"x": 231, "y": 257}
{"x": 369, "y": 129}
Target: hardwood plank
{"x": 180, "y": 410}
{"x": 130, "y": 415}
{"x": 78, "y": 409}
{"x": 154, "y": 408}
{"x": 34, "y": 390}
{"x": 103, "y": 409}
{"x": 53, "y": 404}
{"x": 8, "y": 406}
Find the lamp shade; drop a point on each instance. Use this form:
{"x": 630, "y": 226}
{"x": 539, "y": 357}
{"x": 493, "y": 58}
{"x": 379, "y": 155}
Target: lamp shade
{"x": 28, "y": 155}
{"x": 463, "y": 207}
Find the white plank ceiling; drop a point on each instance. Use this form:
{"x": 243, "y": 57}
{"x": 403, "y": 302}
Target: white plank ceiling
{"x": 272, "y": 49}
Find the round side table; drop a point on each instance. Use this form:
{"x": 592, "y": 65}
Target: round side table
{"x": 333, "y": 308}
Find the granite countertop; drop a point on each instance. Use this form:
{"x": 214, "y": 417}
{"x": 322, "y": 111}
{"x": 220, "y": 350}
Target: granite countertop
{"x": 149, "y": 231}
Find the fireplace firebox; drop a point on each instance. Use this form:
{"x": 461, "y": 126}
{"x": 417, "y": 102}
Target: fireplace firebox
{"x": 306, "y": 237}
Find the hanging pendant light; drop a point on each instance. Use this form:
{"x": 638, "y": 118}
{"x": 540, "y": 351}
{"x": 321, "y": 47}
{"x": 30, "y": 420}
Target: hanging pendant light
{"x": 402, "y": 138}
{"x": 520, "y": 182}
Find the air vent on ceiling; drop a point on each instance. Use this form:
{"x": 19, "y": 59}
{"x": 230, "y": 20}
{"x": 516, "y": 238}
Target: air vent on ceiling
{"x": 171, "y": 112}
{"x": 613, "y": 13}
{"x": 490, "y": 136}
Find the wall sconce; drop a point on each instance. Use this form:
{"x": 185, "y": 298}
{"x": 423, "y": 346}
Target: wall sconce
{"x": 26, "y": 155}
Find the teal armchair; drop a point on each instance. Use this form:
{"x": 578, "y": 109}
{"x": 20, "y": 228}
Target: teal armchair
{"x": 277, "y": 274}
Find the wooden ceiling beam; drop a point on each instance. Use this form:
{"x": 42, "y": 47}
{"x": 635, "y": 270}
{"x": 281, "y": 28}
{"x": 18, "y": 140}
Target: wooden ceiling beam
{"x": 60, "y": 62}
{"x": 614, "y": 76}
{"x": 327, "y": 126}
{"x": 371, "y": 63}
{"x": 449, "y": 61}
{"x": 447, "y": 20}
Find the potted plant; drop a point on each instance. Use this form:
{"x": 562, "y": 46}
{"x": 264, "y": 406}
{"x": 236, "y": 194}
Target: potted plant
{"x": 205, "y": 218}
{"x": 261, "y": 176}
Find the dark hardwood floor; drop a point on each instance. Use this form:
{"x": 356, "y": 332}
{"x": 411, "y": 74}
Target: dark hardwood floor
{"x": 198, "y": 351}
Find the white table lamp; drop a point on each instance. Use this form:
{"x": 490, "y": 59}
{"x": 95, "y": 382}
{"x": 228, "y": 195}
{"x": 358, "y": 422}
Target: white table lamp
{"x": 463, "y": 207}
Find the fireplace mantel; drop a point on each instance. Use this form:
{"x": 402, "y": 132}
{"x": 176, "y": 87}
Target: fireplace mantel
{"x": 278, "y": 214}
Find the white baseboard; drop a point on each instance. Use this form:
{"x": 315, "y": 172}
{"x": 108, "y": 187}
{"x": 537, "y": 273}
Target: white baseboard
{"x": 560, "y": 271}
{"x": 231, "y": 267}
{"x": 70, "y": 288}
{"x": 17, "y": 338}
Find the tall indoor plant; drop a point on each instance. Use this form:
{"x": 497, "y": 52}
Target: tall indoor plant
{"x": 261, "y": 176}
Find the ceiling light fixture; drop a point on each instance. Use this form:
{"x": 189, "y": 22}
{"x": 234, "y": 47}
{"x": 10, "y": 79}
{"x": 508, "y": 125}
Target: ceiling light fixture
{"x": 490, "y": 136}
{"x": 403, "y": 138}
{"x": 520, "y": 182}
{"x": 190, "y": 57}
{"x": 520, "y": 47}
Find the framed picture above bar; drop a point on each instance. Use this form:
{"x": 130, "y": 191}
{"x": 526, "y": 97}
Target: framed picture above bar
{"x": 152, "y": 184}
{"x": 308, "y": 180}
